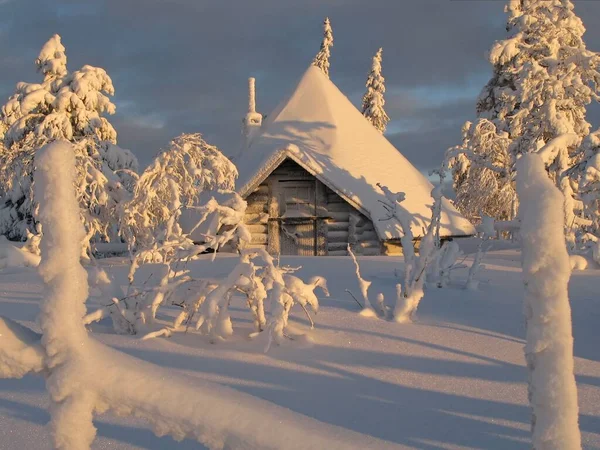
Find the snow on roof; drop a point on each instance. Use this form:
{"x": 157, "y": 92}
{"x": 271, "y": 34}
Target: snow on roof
{"x": 320, "y": 129}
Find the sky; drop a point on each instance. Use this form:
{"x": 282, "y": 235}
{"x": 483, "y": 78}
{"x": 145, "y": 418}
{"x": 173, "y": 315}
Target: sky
{"x": 182, "y": 65}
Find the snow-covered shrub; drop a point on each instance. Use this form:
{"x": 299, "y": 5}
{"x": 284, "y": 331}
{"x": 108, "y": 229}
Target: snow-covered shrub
{"x": 69, "y": 106}
{"x": 321, "y": 60}
{"x": 411, "y": 291}
{"x": 194, "y": 175}
{"x": 549, "y": 347}
{"x": 13, "y": 255}
{"x": 367, "y": 308}
{"x": 373, "y": 101}
{"x": 485, "y": 231}
{"x": 482, "y": 172}
{"x": 189, "y": 174}
{"x": 176, "y": 178}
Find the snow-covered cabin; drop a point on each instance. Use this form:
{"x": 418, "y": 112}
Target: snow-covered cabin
{"x": 310, "y": 178}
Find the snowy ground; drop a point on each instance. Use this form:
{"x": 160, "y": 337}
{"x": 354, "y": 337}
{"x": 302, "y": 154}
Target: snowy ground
{"x": 455, "y": 379}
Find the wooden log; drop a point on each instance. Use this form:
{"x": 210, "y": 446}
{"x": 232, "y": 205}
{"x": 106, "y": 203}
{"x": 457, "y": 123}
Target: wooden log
{"x": 338, "y": 226}
{"x": 367, "y": 236}
{"x": 338, "y": 216}
{"x": 339, "y": 207}
{"x": 259, "y": 239}
{"x": 338, "y": 253}
{"x": 255, "y": 218}
{"x": 255, "y": 208}
{"x": 259, "y": 228}
{"x": 338, "y": 236}
{"x": 334, "y": 246}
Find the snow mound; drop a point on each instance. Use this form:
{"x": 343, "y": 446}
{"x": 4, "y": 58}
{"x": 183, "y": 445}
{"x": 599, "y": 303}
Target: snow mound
{"x": 578, "y": 262}
{"x": 20, "y": 350}
{"x": 13, "y": 256}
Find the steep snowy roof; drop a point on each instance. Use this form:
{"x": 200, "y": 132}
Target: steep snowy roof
{"x": 320, "y": 129}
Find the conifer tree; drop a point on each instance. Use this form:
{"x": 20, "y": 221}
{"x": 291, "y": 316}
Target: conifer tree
{"x": 373, "y": 101}
{"x": 71, "y": 107}
{"x": 543, "y": 79}
{"x": 322, "y": 58}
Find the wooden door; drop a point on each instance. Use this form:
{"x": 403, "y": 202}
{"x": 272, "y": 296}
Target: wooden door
{"x": 297, "y": 227}
{"x": 297, "y": 237}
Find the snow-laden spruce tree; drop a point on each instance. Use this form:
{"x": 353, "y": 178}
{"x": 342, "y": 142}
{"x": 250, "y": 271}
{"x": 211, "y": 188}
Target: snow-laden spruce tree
{"x": 543, "y": 79}
{"x": 373, "y": 101}
{"x": 322, "y": 58}
{"x": 69, "y": 106}
{"x": 549, "y": 346}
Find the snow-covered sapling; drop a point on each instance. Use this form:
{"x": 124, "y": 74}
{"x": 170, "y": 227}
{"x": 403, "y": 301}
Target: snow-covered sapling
{"x": 486, "y": 231}
{"x": 364, "y": 285}
{"x": 411, "y": 292}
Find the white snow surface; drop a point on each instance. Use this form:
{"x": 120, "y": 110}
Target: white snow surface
{"x": 453, "y": 379}
{"x": 319, "y": 128}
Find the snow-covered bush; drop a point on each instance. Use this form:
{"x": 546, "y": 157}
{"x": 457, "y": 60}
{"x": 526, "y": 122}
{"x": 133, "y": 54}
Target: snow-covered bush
{"x": 176, "y": 179}
{"x": 321, "y": 60}
{"x": 373, "y": 101}
{"x": 482, "y": 172}
{"x": 485, "y": 231}
{"x": 410, "y": 292}
{"x": 367, "y": 308}
{"x": 13, "y": 255}
{"x": 549, "y": 347}
{"x": 69, "y": 106}
{"x": 195, "y": 175}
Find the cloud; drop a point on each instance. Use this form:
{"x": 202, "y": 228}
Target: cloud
{"x": 181, "y": 65}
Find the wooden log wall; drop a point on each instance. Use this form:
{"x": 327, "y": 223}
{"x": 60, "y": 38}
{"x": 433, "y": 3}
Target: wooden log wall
{"x": 349, "y": 226}
{"x": 343, "y": 225}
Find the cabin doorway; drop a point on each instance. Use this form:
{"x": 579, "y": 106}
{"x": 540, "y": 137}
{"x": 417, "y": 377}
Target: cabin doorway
{"x": 297, "y": 224}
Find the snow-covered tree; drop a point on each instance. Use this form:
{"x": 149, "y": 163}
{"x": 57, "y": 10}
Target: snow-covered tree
{"x": 588, "y": 175}
{"x": 543, "y": 79}
{"x": 373, "y": 101}
{"x": 322, "y": 58}
{"x": 69, "y": 106}
{"x": 176, "y": 179}
{"x": 482, "y": 169}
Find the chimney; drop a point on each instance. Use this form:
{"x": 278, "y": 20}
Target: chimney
{"x": 251, "y": 95}
{"x": 253, "y": 120}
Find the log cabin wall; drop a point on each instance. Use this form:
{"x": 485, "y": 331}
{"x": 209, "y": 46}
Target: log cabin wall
{"x": 335, "y": 223}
